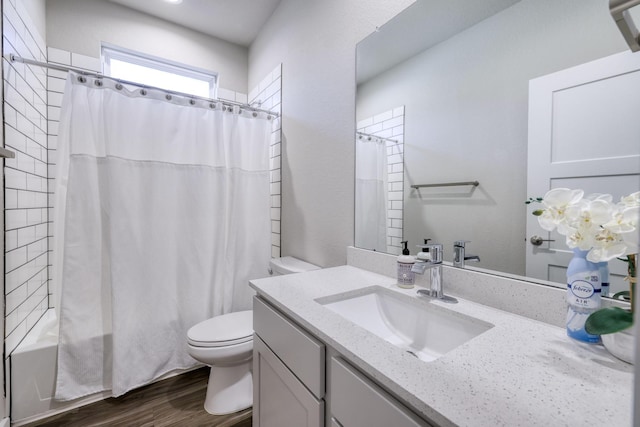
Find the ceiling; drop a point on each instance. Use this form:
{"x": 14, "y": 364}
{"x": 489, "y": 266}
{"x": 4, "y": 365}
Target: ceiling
{"x": 422, "y": 25}
{"x": 236, "y": 21}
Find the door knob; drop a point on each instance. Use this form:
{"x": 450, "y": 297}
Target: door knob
{"x": 537, "y": 240}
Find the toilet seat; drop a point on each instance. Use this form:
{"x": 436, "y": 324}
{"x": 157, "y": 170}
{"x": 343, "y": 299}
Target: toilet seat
{"x": 221, "y": 331}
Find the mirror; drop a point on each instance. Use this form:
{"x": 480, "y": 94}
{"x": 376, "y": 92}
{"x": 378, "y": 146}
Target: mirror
{"x": 380, "y": 181}
{"x": 461, "y": 69}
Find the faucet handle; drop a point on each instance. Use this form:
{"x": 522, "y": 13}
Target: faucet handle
{"x": 435, "y": 250}
{"x": 460, "y": 243}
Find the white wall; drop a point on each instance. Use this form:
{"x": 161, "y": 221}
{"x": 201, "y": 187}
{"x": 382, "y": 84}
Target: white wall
{"x": 36, "y": 9}
{"x": 466, "y": 119}
{"x": 315, "y": 42}
{"x": 80, "y": 26}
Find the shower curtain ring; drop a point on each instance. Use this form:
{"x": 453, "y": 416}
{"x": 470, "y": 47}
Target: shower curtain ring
{"x": 82, "y": 79}
{"x": 168, "y": 97}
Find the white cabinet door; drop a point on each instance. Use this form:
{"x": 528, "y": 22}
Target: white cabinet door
{"x": 358, "y": 402}
{"x": 584, "y": 133}
{"x": 302, "y": 353}
{"x": 280, "y": 399}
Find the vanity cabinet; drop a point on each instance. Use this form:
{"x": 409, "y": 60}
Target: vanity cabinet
{"x": 288, "y": 372}
{"x": 289, "y": 380}
{"x": 355, "y": 401}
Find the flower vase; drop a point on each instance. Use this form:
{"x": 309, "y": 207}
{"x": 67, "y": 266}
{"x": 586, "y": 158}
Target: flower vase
{"x": 621, "y": 344}
{"x": 583, "y": 296}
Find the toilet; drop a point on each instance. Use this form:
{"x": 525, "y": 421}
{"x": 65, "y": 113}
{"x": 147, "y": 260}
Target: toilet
{"x": 225, "y": 343}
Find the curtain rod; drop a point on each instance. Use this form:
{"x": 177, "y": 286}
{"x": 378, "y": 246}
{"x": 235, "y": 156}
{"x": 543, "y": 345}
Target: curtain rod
{"x": 14, "y": 58}
{"x": 370, "y": 136}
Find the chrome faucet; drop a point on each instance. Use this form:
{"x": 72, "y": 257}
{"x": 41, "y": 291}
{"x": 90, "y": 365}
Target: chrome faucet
{"x": 459, "y": 256}
{"x": 434, "y": 265}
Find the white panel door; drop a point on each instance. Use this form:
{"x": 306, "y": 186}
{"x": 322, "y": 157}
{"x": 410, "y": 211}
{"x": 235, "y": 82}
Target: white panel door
{"x": 584, "y": 132}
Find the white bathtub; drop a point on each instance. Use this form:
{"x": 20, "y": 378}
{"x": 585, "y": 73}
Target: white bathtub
{"x": 33, "y": 375}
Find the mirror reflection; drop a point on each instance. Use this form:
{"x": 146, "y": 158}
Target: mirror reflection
{"x": 468, "y": 73}
{"x": 379, "y": 181}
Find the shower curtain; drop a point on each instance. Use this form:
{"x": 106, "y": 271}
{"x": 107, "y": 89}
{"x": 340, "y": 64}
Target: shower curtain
{"x": 162, "y": 216}
{"x": 371, "y": 194}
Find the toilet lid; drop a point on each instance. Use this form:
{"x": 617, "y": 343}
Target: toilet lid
{"x": 227, "y": 329}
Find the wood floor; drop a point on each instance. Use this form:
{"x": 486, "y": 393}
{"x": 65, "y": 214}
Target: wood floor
{"x": 173, "y": 402}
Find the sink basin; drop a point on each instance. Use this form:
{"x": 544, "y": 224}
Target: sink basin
{"x": 424, "y": 330}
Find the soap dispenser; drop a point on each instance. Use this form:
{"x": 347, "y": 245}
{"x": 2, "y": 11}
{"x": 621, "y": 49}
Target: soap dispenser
{"x": 424, "y": 254}
{"x": 406, "y": 277}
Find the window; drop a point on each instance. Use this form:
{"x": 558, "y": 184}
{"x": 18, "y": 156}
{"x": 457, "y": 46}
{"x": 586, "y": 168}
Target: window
{"x": 150, "y": 71}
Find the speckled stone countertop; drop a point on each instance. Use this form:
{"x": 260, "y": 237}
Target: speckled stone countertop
{"x": 521, "y": 372}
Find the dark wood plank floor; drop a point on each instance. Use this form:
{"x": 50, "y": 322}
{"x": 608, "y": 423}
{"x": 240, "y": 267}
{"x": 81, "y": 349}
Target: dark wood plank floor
{"x": 173, "y": 402}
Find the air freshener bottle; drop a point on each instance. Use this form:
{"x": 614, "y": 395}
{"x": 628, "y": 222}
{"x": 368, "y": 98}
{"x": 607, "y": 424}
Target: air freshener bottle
{"x": 583, "y": 295}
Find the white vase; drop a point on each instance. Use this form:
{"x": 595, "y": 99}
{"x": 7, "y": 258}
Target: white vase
{"x": 621, "y": 344}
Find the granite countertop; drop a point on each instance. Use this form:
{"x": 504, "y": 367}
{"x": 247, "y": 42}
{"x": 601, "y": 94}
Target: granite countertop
{"x": 521, "y": 372}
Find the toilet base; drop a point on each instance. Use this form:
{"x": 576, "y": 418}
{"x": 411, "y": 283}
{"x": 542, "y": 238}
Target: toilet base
{"x": 230, "y": 389}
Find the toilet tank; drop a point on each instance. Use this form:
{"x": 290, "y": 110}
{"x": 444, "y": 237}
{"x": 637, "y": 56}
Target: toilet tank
{"x": 289, "y": 265}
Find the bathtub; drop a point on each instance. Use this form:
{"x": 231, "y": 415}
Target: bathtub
{"x": 33, "y": 375}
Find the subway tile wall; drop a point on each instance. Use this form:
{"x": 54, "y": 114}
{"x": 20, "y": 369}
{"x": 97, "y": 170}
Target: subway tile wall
{"x": 25, "y": 185}
{"x": 268, "y": 96}
{"x": 390, "y": 124}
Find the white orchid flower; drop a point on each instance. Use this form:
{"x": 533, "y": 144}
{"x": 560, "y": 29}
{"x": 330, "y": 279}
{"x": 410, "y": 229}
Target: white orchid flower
{"x": 624, "y": 220}
{"x": 629, "y": 229}
{"x": 580, "y": 238}
{"x": 599, "y": 196}
{"x": 555, "y": 203}
{"x": 607, "y": 253}
{"x": 593, "y": 223}
{"x": 582, "y": 222}
{"x": 620, "y": 236}
{"x": 632, "y": 200}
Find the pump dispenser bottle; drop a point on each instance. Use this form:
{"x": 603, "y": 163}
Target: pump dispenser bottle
{"x": 406, "y": 277}
{"x": 424, "y": 254}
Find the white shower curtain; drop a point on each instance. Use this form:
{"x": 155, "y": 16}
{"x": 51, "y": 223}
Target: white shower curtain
{"x": 162, "y": 217}
{"x": 371, "y": 195}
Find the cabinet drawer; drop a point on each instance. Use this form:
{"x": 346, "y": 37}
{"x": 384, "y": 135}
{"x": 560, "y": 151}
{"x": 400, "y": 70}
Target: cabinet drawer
{"x": 279, "y": 398}
{"x": 357, "y": 402}
{"x": 299, "y": 351}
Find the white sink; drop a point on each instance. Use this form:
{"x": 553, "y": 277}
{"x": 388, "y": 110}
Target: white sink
{"x": 424, "y": 330}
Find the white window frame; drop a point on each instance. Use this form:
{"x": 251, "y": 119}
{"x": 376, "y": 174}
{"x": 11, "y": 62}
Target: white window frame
{"x": 110, "y": 52}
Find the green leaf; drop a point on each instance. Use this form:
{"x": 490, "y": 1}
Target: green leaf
{"x": 538, "y": 212}
{"x": 623, "y": 295}
{"x": 608, "y": 321}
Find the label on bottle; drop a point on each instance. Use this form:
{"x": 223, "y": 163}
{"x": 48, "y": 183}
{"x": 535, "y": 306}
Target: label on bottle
{"x": 583, "y": 298}
{"x": 406, "y": 277}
